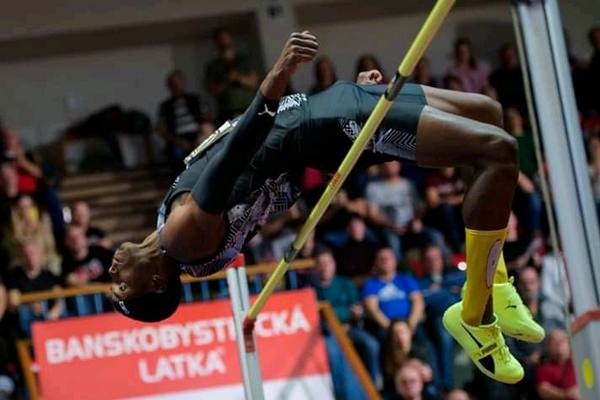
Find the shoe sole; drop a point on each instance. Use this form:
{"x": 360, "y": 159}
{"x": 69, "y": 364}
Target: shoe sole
{"x": 510, "y": 381}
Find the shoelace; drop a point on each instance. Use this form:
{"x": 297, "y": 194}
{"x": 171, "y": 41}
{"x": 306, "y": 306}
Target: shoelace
{"x": 501, "y": 350}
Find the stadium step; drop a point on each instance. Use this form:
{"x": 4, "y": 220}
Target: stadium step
{"x": 122, "y": 203}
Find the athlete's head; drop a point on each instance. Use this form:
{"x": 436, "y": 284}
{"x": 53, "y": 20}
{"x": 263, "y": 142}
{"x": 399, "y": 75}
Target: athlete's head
{"x": 146, "y": 284}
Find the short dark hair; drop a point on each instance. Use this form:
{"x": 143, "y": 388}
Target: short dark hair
{"x": 152, "y": 307}
{"x": 321, "y": 249}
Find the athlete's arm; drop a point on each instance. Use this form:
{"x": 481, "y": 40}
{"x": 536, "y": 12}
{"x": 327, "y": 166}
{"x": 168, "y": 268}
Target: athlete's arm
{"x": 200, "y": 217}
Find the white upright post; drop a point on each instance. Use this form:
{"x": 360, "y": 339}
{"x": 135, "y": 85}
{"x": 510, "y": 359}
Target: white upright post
{"x": 249, "y": 364}
{"x": 541, "y": 37}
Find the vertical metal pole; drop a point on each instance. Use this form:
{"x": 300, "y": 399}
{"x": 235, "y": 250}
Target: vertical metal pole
{"x": 236, "y": 307}
{"x": 252, "y": 360}
{"x": 552, "y": 88}
{"x": 240, "y": 302}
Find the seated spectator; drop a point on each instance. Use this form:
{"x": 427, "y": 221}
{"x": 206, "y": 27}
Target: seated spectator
{"x": 28, "y": 223}
{"x": 518, "y": 250}
{"x": 528, "y": 286}
{"x": 82, "y": 263}
{"x": 594, "y": 68}
{"x": 398, "y": 349}
{"x": 80, "y": 214}
{"x": 357, "y": 249}
{"x": 343, "y": 296}
{"x": 452, "y": 82}
{"x": 180, "y": 118}
{"x": 368, "y": 62}
{"x": 230, "y": 77}
{"x": 394, "y": 205}
{"x": 390, "y": 295}
{"x": 555, "y": 377}
{"x": 410, "y": 386}
{"x": 325, "y": 75}
{"x": 31, "y": 276}
{"x": 554, "y": 290}
{"x": 444, "y": 196}
{"x": 472, "y": 74}
{"x": 30, "y": 178}
{"x": 423, "y": 74}
{"x": 528, "y": 200}
{"x": 440, "y": 288}
{"x": 594, "y": 166}
{"x": 28, "y": 171}
{"x": 507, "y": 80}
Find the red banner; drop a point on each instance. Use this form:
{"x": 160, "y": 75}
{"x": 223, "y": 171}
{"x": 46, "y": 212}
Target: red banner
{"x": 109, "y": 356}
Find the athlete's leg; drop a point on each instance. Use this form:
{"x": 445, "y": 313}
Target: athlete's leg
{"x": 445, "y": 139}
{"x": 513, "y": 315}
{"x": 479, "y": 108}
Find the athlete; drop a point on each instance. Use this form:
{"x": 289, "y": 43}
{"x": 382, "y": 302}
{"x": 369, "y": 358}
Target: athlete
{"x": 250, "y": 168}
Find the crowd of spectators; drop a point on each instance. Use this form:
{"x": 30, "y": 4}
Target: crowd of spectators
{"x": 389, "y": 251}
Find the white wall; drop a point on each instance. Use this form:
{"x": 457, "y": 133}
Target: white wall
{"x": 41, "y": 96}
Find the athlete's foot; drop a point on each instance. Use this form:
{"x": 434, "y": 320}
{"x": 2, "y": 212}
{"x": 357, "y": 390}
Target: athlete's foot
{"x": 485, "y": 346}
{"x": 514, "y": 318}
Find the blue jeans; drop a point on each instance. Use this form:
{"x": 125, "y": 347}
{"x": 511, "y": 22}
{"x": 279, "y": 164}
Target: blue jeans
{"x": 368, "y": 348}
{"x": 345, "y": 384}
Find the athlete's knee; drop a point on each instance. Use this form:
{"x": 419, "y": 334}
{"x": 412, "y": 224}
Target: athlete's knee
{"x": 490, "y": 110}
{"x": 505, "y": 152}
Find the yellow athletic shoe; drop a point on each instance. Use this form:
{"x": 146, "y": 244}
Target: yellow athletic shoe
{"x": 514, "y": 318}
{"x": 485, "y": 346}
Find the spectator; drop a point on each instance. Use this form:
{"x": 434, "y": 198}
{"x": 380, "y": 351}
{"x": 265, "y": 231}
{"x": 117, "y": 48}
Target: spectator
{"x": 507, "y": 80}
{"x": 594, "y": 167}
{"x": 31, "y": 276}
{"x": 452, "y": 82}
{"x": 518, "y": 250}
{"x": 230, "y": 77}
{"x": 528, "y": 201}
{"x": 80, "y": 214}
{"x": 368, "y": 62}
{"x": 594, "y": 68}
{"x": 82, "y": 263}
{"x": 555, "y": 377}
{"x": 394, "y": 205}
{"x": 390, "y": 295}
{"x": 325, "y": 75}
{"x": 343, "y": 296}
{"x": 179, "y": 120}
{"x": 457, "y": 394}
{"x": 473, "y": 75}
{"x": 529, "y": 353}
{"x": 423, "y": 74}
{"x": 28, "y": 171}
{"x": 409, "y": 385}
{"x": 30, "y": 180}
{"x": 444, "y": 194}
{"x": 355, "y": 256}
{"x": 6, "y": 383}
{"x": 28, "y": 224}
{"x": 556, "y": 294}
{"x": 440, "y": 288}
{"x": 398, "y": 349}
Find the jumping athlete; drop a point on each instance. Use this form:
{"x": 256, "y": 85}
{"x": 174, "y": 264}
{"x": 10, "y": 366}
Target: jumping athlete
{"x": 249, "y": 170}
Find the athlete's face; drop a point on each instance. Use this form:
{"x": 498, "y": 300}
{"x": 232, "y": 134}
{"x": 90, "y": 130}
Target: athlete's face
{"x": 131, "y": 276}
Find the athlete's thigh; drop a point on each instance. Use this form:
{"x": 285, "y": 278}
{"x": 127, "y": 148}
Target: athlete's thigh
{"x": 449, "y": 140}
{"x": 470, "y": 105}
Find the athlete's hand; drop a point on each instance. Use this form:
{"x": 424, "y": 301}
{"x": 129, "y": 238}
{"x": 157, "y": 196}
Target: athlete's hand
{"x": 371, "y": 77}
{"x": 300, "y": 48}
